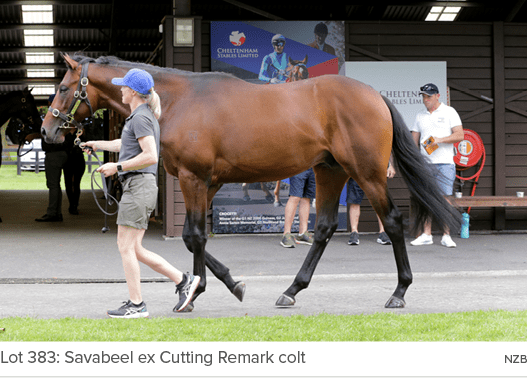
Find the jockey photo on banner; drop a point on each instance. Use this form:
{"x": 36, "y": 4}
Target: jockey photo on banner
{"x": 270, "y": 53}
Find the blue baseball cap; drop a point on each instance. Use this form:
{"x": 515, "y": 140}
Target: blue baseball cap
{"x": 137, "y": 79}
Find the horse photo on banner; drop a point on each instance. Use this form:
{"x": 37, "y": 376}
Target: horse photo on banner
{"x": 270, "y": 53}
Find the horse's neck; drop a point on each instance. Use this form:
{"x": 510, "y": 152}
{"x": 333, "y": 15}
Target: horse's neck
{"x": 6, "y": 108}
{"x": 110, "y": 97}
{"x": 5, "y": 115}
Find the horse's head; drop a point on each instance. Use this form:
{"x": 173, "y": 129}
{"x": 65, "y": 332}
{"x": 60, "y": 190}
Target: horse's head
{"x": 20, "y": 132}
{"x": 72, "y": 104}
{"x": 26, "y": 110}
{"x": 297, "y": 70}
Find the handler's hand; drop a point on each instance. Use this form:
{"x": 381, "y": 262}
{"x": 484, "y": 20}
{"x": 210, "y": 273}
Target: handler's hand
{"x": 88, "y": 147}
{"x": 108, "y": 169}
{"x": 437, "y": 140}
{"x": 391, "y": 172}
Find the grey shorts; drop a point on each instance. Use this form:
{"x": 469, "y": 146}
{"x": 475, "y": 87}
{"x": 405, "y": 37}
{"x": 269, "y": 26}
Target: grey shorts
{"x": 138, "y": 201}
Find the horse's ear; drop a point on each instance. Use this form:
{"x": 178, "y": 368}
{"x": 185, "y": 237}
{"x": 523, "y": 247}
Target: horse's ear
{"x": 69, "y": 61}
{"x": 27, "y": 90}
{"x": 291, "y": 62}
{"x": 305, "y": 60}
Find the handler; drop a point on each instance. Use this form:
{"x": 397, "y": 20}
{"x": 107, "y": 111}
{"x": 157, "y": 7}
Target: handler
{"x": 137, "y": 168}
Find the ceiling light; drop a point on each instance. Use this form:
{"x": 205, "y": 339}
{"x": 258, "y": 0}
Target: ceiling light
{"x": 46, "y": 89}
{"x": 38, "y": 37}
{"x": 37, "y": 14}
{"x": 40, "y": 73}
{"x": 443, "y": 14}
{"x": 40, "y": 57}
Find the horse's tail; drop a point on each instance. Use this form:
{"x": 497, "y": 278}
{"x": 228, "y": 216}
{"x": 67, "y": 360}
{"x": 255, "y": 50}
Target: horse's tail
{"x": 427, "y": 199}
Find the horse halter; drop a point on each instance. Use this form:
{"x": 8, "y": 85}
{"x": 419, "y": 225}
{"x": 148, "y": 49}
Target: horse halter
{"x": 80, "y": 95}
{"x": 24, "y": 108}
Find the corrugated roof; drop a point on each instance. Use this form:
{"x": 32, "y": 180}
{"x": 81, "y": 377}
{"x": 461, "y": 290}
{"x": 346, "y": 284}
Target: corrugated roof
{"x": 130, "y": 30}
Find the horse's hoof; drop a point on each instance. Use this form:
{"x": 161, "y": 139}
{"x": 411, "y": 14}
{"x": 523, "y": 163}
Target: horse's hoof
{"x": 239, "y": 290}
{"x": 285, "y": 301}
{"x": 395, "y": 303}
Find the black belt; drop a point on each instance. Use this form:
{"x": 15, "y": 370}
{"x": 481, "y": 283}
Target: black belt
{"x": 124, "y": 177}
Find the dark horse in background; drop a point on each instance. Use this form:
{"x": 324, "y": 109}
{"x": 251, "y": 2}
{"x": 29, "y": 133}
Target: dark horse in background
{"x": 218, "y": 129}
{"x": 20, "y": 108}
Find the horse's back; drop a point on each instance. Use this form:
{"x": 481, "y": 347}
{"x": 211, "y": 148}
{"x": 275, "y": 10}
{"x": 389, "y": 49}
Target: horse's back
{"x": 243, "y": 131}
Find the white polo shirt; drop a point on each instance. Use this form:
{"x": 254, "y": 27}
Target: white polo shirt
{"x": 439, "y": 123}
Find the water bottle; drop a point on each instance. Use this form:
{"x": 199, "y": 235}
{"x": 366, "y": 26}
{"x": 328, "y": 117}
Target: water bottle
{"x": 464, "y": 226}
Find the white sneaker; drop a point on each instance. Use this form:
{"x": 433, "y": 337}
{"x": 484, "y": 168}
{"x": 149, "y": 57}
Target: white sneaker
{"x": 424, "y": 239}
{"x": 448, "y": 242}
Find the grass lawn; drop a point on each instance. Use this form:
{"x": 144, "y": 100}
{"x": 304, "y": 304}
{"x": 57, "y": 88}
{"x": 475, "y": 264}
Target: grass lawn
{"x": 9, "y": 180}
{"x": 479, "y": 326}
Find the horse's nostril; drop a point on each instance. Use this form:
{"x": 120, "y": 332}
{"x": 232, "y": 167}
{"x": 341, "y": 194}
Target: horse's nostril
{"x": 43, "y": 131}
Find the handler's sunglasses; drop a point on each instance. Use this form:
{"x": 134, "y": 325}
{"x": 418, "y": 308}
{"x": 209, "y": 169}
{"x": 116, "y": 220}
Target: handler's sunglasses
{"x": 279, "y": 43}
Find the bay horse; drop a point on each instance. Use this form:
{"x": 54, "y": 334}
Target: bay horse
{"x": 218, "y": 129}
{"x": 20, "y": 105}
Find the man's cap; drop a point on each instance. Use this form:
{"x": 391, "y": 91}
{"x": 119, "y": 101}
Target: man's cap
{"x": 137, "y": 79}
{"x": 278, "y": 38}
{"x": 51, "y": 98}
{"x": 429, "y": 89}
{"x": 321, "y": 28}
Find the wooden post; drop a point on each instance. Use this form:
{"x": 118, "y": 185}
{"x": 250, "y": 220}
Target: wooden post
{"x": 499, "y": 120}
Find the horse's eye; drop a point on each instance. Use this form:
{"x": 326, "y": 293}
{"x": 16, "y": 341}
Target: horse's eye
{"x": 63, "y": 89}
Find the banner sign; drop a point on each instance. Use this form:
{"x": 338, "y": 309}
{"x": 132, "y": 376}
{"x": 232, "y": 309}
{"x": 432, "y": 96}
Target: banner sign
{"x": 259, "y": 52}
{"x": 400, "y": 82}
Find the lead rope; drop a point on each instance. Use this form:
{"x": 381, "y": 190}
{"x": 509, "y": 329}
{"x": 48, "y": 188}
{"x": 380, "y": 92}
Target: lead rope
{"x": 110, "y": 199}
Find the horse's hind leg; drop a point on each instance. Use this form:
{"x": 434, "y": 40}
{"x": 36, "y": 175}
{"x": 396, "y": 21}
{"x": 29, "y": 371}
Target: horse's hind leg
{"x": 216, "y": 267}
{"x": 330, "y": 181}
{"x": 392, "y": 220}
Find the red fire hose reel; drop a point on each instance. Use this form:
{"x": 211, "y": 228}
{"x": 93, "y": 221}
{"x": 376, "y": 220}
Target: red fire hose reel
{"x": 468, "y": 153}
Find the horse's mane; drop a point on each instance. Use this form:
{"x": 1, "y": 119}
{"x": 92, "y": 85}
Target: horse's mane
{"x": 117, "y": 62}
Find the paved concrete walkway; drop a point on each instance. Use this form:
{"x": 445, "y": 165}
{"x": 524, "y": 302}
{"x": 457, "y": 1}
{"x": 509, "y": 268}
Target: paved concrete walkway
{"x": 56, "y": 270}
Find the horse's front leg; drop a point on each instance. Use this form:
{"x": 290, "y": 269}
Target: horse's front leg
{"x": 330, "y": 182}
{"x": 195, "y": 233}
{"x": 237, "y": 288}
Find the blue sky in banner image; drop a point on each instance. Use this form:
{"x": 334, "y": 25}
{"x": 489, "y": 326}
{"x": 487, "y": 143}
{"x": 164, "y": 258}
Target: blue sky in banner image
{"x": 244, "y": 45}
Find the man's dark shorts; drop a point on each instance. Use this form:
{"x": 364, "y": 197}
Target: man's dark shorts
{"x": 303, "y": 185}
{"x": 354, "y": 194}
